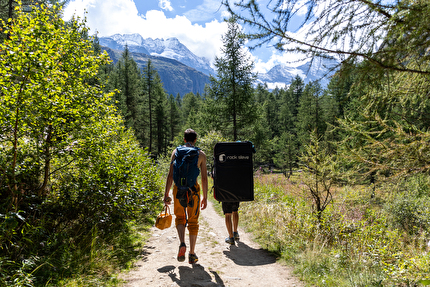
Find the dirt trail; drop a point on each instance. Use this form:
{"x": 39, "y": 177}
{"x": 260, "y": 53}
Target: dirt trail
{"x": 220, "y": 264}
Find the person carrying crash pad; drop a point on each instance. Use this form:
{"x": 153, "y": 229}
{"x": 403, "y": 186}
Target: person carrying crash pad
{"x": 187, "y": 161}
{"x": 233, "y": 176}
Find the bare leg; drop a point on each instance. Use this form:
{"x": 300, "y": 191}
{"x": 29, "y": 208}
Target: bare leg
{"x": 235, "y": 220}
{"x": 228, "y": 224}
{"x": 181, "y": 232}
{"x": 193, "y": 240}
{"x": 182, "y": 248}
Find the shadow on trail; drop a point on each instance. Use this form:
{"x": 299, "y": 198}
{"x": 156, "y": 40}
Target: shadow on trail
{"x": 244, "y": 255}
{"x": 143, "y": 255}
{"x": 195, "y": 276}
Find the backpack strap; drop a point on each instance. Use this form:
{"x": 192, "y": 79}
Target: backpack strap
{"x": 193, "y": 191}
{"x": 186, "y": 217}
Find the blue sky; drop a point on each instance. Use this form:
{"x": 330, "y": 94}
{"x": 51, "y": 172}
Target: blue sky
{"x": 198, "y": 24}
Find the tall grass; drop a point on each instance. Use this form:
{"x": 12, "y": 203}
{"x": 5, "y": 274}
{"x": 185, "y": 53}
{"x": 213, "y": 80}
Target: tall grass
{"x": 360, "y": 241}
{"x": 93, "y": 260}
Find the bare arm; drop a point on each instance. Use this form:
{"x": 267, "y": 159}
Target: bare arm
{"x": 204, "y": 175}
{"x": 169, "y": 180}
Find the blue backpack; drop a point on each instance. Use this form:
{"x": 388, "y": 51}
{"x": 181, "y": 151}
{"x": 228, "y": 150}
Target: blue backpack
{"x": 185, "y": 173}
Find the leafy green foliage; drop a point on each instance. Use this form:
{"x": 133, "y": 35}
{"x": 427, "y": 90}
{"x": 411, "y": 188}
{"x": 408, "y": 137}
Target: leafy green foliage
{"x": 352, "y": 244}
{"x": 409, "y": 207}
{"x": 207, "y": 144}
{"x": 389, "y": 134}
{"x": 322, "y": 172}
{"x": 70, "y": 174}
{"x": 46, "y": 101}
{"x": 113, "y": 179}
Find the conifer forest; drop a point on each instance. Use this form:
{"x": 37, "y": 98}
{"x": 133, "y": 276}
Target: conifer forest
{"x": 85, "y": 143}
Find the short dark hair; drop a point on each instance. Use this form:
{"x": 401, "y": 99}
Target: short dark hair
{"x": 190, "y": 135}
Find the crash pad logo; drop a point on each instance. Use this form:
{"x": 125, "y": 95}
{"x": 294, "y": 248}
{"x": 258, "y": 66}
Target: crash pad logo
{"x": 222, "y": 158}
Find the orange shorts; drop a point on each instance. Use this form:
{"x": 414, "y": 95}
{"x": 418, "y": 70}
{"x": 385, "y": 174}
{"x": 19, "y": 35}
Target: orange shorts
{"x": 192, "y": 212}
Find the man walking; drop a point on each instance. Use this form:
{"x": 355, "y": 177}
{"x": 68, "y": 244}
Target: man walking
{"x": 188, "y": 216}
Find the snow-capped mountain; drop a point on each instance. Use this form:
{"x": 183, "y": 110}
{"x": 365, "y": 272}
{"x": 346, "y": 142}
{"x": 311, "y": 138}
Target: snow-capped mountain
{"x": 279, "y": 76}
{"x": 170, "y": 48}
{"x": 282, "y": 75}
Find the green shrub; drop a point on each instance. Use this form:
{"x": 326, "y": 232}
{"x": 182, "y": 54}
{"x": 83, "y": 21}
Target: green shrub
{"x": 355, "y": 243}
{"x": 409, "y": 205}
{"x": 71, "y": 176}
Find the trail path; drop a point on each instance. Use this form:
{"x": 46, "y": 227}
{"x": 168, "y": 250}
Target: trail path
{"x": 220, "y": 264}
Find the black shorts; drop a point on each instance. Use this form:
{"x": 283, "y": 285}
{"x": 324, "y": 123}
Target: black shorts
{"x": 229, "y": 207}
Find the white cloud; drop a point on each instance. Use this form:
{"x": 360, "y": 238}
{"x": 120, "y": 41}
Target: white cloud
{"x": 109, "y": 17}
{"x": 300, "y": 7}
{"x": 105, "y": 16}
{"x": 165, "y": 5}
{"x": 208, "y": 10}
{"x": 303, "y": 7}
{"x": 201, "y": 40}
{"x": 277, "y": 58}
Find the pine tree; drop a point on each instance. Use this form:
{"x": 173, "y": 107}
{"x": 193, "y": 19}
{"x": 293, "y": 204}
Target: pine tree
{"x": 191, "y": 104}
{"x": 130, "y": 86}
{"x": 387, "y": 34}
{"x": 160, "y": 115}
{"x": 289, "y": 106}
{"x": 286, "y": 155}
{"x": 178, "y": 100}
{"x": 310, "y": 115}
{"x": 323, "y": 172}
{"x": 149, "y": 76}
{"x": 261, "y": 93}
{"x": 126, "y": 79}
{"x": 330, "y": 108}
{"x": 271, "y": 108}
{"x": 386, "y": 130}
{"x": 174, "y": 118}
{"x": 336, "y": 102}
{"x": 156, "y": 102}
{"x": 232, "y": 88}
{"x": 296, "y": 90}
{"x": 286, "y": 143}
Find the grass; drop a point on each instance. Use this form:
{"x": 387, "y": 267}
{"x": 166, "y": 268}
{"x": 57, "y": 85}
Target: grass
{"x": 99, "y": 263}
{"x": 358, "y": 242}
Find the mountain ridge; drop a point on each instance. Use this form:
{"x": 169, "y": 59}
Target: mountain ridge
{"x": 318, "y": 70}
{"x": 280, "y": 75}
{"x": 170, "y": 48}
{"x": 177, "y": 77}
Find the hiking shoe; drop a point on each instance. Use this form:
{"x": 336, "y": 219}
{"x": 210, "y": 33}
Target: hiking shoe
{"x": 192, "y": 258}
{"x": 236, "y": 236}
{"x": 229, "y": 240}
{"x": 181, "y": 252}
